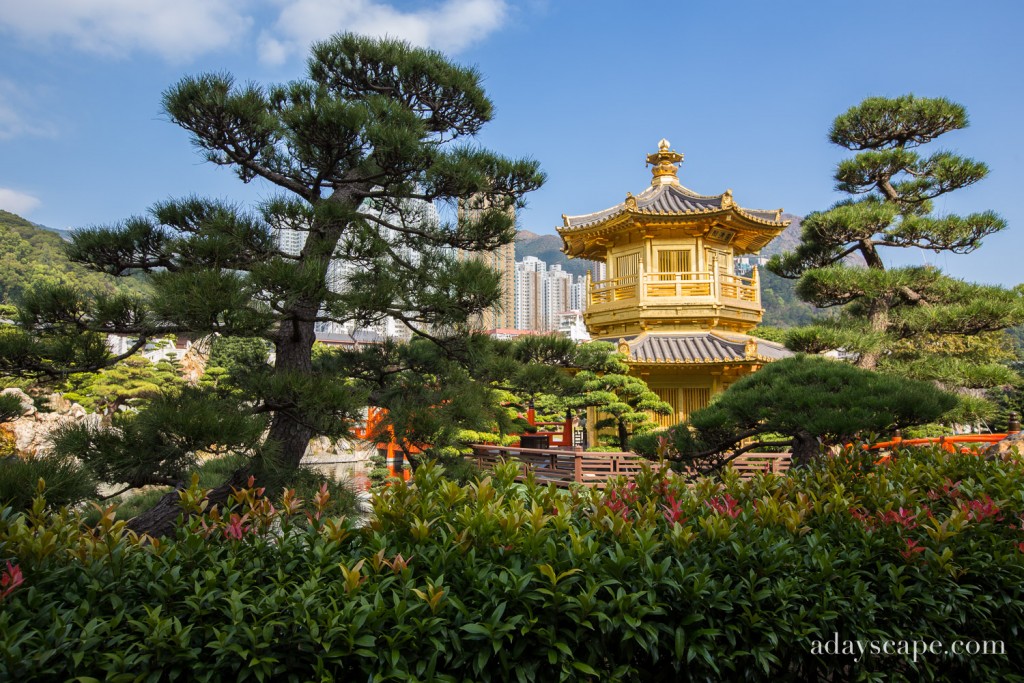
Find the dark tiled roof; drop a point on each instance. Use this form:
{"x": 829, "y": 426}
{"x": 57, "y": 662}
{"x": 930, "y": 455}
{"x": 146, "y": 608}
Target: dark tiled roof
{"x": 675, "y": 199}
{"x": 702, "y": 347}
{"x": 668, "y": 199}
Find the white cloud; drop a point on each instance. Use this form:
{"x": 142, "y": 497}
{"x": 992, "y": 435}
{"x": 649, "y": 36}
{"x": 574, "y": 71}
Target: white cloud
{"x": 177, "y": 30}
{"x": 452, "y": 26}
{"x": 17, "y": 202}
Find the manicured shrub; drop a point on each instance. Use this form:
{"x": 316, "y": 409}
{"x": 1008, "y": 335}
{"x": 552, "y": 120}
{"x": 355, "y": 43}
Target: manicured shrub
{"x": 647, "y": 580}
{"x": 647, "y": 443}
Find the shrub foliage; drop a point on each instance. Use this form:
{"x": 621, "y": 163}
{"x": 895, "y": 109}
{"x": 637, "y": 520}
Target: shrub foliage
{"x": 651, "y": 580}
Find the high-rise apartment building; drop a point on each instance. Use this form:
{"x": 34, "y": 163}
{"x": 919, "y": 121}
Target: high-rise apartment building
{"x": 529, "y": 281}
{"x": 503, "y": 260}
{"x": 578, "y": 295}
{"x": 556, "y": 297}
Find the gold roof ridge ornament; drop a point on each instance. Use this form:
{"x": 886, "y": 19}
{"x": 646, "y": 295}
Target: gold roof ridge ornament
{"x": 727, "y": 201}
{"x": 664, "y": 164}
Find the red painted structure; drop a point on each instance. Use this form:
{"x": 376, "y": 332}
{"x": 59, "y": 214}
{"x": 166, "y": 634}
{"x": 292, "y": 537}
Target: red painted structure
{"x": 391, "y": 449}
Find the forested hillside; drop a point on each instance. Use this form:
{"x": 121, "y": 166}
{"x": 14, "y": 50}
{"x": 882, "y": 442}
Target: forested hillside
{"x": 30, "y": 255}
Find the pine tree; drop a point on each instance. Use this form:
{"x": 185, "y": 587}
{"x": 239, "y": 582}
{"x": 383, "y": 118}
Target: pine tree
{"x": 130, "y": 383}
{"x": 353, "y": 150}
{"x": 561, "y": 375}
{"x": 801, "y": 403}
{"x": 893, "y": 186}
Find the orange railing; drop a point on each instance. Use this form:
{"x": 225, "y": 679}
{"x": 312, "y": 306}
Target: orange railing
{"x": 947, "y": 443}
{"x": 962, "y": 443}
{"x": 950, "y": 444}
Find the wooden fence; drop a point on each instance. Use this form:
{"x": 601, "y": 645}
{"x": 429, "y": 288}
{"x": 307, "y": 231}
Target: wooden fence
{"x": 563, "y": 467}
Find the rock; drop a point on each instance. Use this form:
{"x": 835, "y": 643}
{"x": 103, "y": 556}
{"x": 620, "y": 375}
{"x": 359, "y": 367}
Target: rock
{"x": 339, "y": 459}
{"x": 1006, "y": 446}
{"x": 32, "y": 432}
{"x": 58, "y": 403}
{"x": 76, "y": 411}
{"x": 27, "y": 407}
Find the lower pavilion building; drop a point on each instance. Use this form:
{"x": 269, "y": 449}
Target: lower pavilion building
{"x": 671, "y": 300}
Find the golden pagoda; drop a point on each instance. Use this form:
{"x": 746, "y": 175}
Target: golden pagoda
{"x": 672, "y": 300}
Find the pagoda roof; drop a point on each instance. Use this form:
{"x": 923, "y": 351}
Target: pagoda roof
{"x": 667, "y": 204}
{"x": 672, "y": 199}
{"x": 654, "y": 348}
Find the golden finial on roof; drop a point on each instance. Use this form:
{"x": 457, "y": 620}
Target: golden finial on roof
{"x": 664, "y": 162}
{"x": 750, "y": 349}
{"x": 727, "y": 200}
{"x": 630, "y": 201}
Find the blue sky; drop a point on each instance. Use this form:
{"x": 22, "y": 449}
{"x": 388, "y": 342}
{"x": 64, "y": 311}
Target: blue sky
{"x": 746, "y": 90}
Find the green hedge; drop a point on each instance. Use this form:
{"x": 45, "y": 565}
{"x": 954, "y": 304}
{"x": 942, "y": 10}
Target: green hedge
{"x": 499, "y": 581}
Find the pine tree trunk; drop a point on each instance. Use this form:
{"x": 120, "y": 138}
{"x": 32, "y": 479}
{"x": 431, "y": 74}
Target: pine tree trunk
{"x": 623, "y": 437}
{"x": 879, "y": 322}
{"x": 805, "y": 449}
{"x": 289, "y": 437}
{"x": 162, "y": 519}
{"x": 878, "y": 317}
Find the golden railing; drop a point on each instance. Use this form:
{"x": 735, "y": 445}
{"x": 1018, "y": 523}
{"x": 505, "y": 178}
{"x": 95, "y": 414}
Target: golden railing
{"x": 679, "y": 285}
{"x": 615, "y": 289}
{"x": 737, "y": 287}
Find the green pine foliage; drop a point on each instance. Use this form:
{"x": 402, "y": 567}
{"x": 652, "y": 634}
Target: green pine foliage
{"x": 558, "y": 375}
{"x": 236, "y": 355}
{"x": 127, "y": 385}
{"x": 656, "y": 580}
{"x": 65, "y": 481}
{"x": 231, "y": 360}
{"x": 885, "y": 312}
{"x": 436, "y": 403}
{"x": 10, "y": 407}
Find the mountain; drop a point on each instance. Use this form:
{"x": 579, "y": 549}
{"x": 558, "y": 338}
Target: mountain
{"x": 788, "y": 239}
{"x": 548, "y": 248}
{"x": 64, "y": 234}
{"x": 30, "y": 255}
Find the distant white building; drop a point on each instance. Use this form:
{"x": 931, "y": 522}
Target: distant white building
{"x": 509, "y": 334}
{"x": 291, "y": 241}
{"x": 172, "y": 347}
{"x": 571, "y": 325}
{"x": 578, "y": 295}
{"x": 543, "y": 292}
{"x": 745, "y": 264}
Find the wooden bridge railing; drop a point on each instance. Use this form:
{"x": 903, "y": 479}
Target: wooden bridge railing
{"x": 563, "y": 467}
